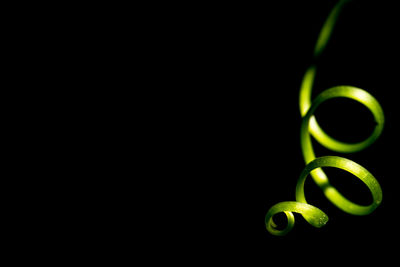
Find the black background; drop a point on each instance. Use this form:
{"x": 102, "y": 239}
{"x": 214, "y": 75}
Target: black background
{"x": 249, "y": 61}
{"x": 231, "y": 75}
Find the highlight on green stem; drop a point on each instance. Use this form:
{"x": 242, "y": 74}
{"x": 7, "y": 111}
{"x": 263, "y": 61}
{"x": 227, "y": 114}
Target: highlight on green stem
{"x": 314, "y": 165}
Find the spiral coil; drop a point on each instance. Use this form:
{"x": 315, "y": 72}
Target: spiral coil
{"x": 310, "y": 126}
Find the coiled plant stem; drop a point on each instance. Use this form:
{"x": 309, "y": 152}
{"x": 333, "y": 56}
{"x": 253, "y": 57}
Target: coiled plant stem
{"x": 314, "y": 165}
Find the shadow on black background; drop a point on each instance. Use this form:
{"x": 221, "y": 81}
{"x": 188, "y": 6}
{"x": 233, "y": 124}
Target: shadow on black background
{"x": 254, "y": 58}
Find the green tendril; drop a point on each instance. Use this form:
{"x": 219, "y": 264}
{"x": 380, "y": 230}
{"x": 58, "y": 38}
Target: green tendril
{"x": 310, "y": 126}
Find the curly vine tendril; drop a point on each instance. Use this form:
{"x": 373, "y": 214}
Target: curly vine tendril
{"x": 309, "y": 125}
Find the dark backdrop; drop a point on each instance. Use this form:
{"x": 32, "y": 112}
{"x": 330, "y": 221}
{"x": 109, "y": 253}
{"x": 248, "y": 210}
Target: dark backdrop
{"x": 251, "y": 59}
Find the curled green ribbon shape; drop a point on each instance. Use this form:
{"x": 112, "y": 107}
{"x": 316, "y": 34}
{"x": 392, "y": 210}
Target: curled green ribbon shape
{"x": 309, "y": 126}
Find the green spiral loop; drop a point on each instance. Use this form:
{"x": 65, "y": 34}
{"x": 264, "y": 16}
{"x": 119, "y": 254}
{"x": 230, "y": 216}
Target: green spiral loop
{"x": 309, "y": 126}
